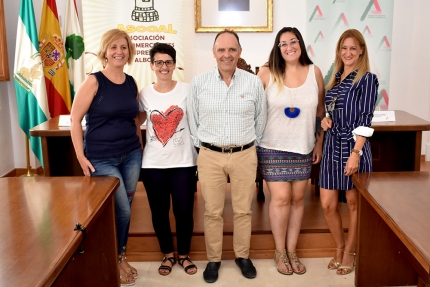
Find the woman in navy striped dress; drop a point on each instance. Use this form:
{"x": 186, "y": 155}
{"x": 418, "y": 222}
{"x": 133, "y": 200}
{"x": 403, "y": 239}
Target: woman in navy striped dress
{"x": 350, "y": 102}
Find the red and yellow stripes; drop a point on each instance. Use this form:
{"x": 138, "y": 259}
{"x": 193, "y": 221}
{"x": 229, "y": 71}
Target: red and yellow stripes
{"x": 54, "y": 61}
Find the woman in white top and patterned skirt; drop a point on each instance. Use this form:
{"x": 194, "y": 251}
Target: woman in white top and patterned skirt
{"x": 169, "y": 159}
{"x": 290, "y": 144}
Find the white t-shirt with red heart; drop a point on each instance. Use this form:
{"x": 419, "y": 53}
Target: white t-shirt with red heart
{"x": 168, "y": 139}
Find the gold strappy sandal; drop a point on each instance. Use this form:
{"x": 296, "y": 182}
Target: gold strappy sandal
{"x": 334, "y": 262}
{"x": 347, "y": 269}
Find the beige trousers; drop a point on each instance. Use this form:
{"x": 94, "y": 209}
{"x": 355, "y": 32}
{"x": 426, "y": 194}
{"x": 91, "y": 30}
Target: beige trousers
{"x": 213, "y": 169}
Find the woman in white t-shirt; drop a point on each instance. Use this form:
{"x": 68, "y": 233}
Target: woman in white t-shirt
{"x": 169, "y": 158}
{"x": 294, "y": 89}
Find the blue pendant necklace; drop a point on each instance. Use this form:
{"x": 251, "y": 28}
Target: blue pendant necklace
{"x": 292, "y": 112}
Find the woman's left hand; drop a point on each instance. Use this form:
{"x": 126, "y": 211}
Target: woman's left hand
{"x": 352, "y": 164}
{"x": 317, "y": 154}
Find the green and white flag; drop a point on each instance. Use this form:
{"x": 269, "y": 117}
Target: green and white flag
{"x": 74, "y": 45}
{"x": 29, "y": 78}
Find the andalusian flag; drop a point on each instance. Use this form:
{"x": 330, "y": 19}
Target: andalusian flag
{"x": 74, "y": 43}
{"x": 28, "y": 77}
{"x": 54, "y": 61}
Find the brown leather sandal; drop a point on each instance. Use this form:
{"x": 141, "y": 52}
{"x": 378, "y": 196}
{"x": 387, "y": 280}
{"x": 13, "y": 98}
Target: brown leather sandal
{"x": 127, "y": 280}
{"x": 130, "y": 269}
{"x": 166, "y": 267}
{"x": 187, "y": 269}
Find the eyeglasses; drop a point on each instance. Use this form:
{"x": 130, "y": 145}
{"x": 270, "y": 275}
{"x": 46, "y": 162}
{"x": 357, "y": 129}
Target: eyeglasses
{"x": 160, "y": 63}
{"x": 285, "y": 44}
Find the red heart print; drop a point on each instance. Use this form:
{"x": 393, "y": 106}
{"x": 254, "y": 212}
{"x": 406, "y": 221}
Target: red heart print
{"x": 165, "y": 124}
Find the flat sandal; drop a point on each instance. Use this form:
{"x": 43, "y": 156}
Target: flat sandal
{"x": 166, "y": 267}
{"x": 186, "y": 269}
{"x": 282, "y": 255}
{"x": 292, "y": 256}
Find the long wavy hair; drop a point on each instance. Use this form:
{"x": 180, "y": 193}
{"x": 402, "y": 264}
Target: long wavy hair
{"x": 362, "y": 65}
{"x": 277, "y": 64}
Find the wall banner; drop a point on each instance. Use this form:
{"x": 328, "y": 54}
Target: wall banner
{"x": 328, "y": 19}
{"x": 147, "y": 22}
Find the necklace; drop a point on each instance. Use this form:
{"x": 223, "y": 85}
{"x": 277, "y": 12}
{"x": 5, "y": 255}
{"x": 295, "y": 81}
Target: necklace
{"x": 292, "y": 112}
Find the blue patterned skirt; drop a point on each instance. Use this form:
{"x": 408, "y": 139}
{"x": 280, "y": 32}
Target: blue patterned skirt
{"x": 276, "y": 165}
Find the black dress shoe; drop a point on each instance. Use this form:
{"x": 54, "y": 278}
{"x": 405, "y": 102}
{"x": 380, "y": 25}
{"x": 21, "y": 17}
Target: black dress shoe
{"x": 247, "y": 268}
{"x": 211, "y": 272}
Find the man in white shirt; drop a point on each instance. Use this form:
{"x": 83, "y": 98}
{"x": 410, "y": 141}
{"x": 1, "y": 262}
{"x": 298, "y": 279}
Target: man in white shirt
{"x": 227, "y": 114}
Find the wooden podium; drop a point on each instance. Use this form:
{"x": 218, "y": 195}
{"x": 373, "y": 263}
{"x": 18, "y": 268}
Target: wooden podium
{"x": 39, "y": 245}
{"x": 393, "y": 245}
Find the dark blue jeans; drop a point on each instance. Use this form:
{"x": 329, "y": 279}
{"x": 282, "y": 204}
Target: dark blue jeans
{"x": 127, "y": 169}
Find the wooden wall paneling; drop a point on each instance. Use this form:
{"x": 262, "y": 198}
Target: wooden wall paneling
{"x": 4, "y": 64}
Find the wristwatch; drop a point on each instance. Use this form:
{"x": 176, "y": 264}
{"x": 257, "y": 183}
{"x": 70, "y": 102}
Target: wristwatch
{"x": 359, "y": 152}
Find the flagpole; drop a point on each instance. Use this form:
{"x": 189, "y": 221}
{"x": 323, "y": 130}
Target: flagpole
{"x": 27, "y": 156}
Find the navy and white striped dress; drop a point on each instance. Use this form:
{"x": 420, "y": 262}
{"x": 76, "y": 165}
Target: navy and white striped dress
{"x": 354, "y": 108}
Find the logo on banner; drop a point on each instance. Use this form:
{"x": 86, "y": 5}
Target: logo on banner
{"x": 317, "y": 14}
{"x": 376, "y": 13}
{"x": 366, "y": 31}
{"x": 310, "y": 50}
{"x": 319, "y": 36}
{"x": 341, "y": 19}
{"x": 144, "y": 11}
{"x": 25, "y": 76}
{"x": 383, "y": 95}
{"x": 384, "y": 44}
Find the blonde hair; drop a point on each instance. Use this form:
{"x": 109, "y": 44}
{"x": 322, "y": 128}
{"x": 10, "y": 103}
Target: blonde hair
{"x": 111, "y": 36}
{"x": 362, "y": 65}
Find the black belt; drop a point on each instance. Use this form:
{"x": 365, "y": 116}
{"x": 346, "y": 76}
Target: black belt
{"x": 231, "y": 149}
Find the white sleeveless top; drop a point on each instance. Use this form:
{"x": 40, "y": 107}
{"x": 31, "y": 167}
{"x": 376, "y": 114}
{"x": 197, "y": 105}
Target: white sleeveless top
{"x": 291, "y": 134}
{"x": 168, "y": 138}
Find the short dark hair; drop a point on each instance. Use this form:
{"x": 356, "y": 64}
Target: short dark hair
{"x": 163, "y": 49}
{"x": 229, "y": 32}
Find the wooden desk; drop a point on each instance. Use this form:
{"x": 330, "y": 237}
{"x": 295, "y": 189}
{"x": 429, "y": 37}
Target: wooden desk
{"x": 38, "y": 244}
{"x": 396, "y": 146}
{"x": 393, "y": 246}
{"x": 59, "y": 155}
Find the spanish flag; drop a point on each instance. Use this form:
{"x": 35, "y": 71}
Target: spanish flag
{"x": 54, "y": 61}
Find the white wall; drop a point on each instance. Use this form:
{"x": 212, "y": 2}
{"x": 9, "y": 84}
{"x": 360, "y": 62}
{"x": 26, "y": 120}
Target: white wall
{"x": 410, "y": 76}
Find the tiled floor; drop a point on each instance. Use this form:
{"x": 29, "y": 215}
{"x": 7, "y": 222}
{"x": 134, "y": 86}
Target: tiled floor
{"x": 229, "y": 275}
